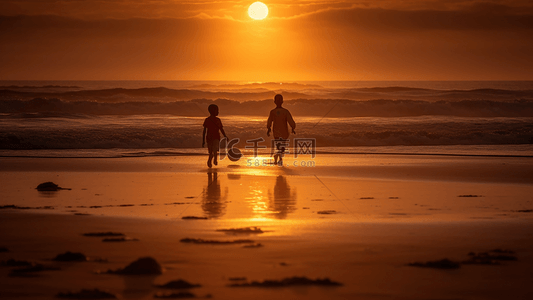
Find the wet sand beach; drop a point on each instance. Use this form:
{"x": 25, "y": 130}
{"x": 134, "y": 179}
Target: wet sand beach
{"x": 352, "y": 227}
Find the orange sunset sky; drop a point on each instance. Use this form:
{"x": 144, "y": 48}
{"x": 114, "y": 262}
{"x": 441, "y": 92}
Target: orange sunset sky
{"x": 299, "y": 40}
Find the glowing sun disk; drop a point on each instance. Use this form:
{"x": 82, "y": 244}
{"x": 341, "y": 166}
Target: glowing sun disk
{"x": 258, "y": 11}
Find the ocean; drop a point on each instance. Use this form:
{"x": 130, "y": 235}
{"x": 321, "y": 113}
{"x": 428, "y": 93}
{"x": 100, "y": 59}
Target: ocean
{"x": 152, "y": 118}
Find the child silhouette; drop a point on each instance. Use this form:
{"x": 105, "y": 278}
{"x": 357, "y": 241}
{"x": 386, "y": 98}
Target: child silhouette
{"x": 279, "y": 117}
{"x": 211, "y": 135}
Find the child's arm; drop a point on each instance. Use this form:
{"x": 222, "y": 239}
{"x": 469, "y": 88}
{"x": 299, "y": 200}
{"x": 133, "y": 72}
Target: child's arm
{"x": 203, "y": 136}
{"x": 291, "y": 122}
{"x": 222, "y": 130}
{"x": 269, "y": 124}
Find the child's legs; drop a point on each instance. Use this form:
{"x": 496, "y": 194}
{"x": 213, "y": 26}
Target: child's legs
{"x": 213, "y": 147}
{"x": 215, "y": 157}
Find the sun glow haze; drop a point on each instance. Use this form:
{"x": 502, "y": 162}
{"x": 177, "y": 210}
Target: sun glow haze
{"x": 258, "y": 11}
{"x": 295, "y": 40}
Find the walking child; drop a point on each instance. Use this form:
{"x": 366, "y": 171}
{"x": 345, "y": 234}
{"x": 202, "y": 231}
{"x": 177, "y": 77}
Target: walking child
{"x": 279, "y": 117}
{"x": 211, "y": 134}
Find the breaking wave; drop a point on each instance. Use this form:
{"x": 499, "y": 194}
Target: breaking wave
{"x": 166, "y": 131}
{"x": 104, "y": 116}
{"x": 41, "y": 107}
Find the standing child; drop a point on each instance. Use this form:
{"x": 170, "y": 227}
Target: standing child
{"x": 280, "y": 116}
{"x": 211, "y": 135}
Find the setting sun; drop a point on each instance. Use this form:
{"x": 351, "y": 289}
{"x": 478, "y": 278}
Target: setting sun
{"x": 258, "y": 11}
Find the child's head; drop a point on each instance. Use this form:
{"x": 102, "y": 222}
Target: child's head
{"x": 213, "y": 109}
{"x": 278, "y": 99}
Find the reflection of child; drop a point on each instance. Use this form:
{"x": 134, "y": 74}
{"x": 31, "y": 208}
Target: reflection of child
{"x": 280, "y": 116}
{"x": 211, "y": 135}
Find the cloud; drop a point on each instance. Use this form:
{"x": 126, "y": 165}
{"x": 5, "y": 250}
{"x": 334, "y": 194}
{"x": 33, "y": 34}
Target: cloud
{"x": 477, "y": 17}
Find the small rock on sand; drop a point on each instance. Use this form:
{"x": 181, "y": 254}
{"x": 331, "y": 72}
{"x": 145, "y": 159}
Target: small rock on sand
{"x": 292, "y": 281}
{"x": 120, "y": 239}
{"x": 101, "y": 234}
{"x": 3, "y": 249}
{"x": 193, "y": 218}
{"x": 326, "y": 212}
{"x": 49, "y": 187}
{"x": 178, "y": 284}
{"x": 142, "y": 266}
{"x": 87, "y": 294}
{"x": 70, "y": 256}
{"x": 436, "y": 264}
{"x": 15, "y": 263}
{"x": 202, "y": 241}
{"x": 180, "y": 295}
{"x": 492, "y": 257}
{"x": 244, "y": 230}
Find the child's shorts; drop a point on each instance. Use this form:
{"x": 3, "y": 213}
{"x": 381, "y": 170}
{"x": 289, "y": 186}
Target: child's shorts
{"x": 213, "y": 145}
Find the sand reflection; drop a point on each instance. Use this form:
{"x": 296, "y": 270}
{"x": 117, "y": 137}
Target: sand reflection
{"x": 276, "y": 203}
{"x": 282, "y": 201}
{"x": 213, "y": 202}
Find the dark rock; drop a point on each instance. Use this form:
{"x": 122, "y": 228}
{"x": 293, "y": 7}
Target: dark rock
{"x": 178, "y": 284}
{"x": 49, "y": 187}
{"x": 292, "y": 281}
{"x": 71, "y": 256}
{"x": 87, "y": 294}
{"x": 492, "y": 257}
{"x": 15, "y": 263}
{"x": 3, "y": 249}
{"x": 202, "y": 241}
{"x": 101, "y": 234}
{"x": 120, "y": 239}
{"x": 245, "y": 230}
{"x": 437, "y": 264}
{"x": 142, "y": 266}
{"x": 193, "y": 218}
{"x": 11, "y": 206}
{"x": 326, "y": 212}
{"x": 180, "y": 295}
